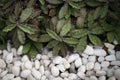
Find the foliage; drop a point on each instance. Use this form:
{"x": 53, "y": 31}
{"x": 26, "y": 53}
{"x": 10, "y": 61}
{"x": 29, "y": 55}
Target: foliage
{"x": 59, "y": 24}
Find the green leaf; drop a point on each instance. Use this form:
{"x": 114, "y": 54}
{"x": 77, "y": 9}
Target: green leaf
{"x": 97, "y": 12}
{"x": 82, "y": 44}
{"x": 44, "y": 38}
{"x": 33, "y": 37}
{"x": 63, "y": 11}
{"x": 70, "y": 40}
{"x": 103, "y": 11}
{"x": 32, "y": 52}
{"x": 74, "y": 5}
{"x": 97, "y": 30}
{"x": 53, "y": 35}
{"x": 76, "y": 0}
{"x": 92, "y": 3}
{"x": 60, "y": 24}
{"x": 110, "y": 36}
{"x": 21, "y": 36}
{"x": 107, "y": 27}
{"x": 25, "y": 14}
{"x": 52, "y": 44}
{"x": 26, "y": 48}
{"x": 80, "y": 22}
{"x": 95, "y": 40}
{"x": 78, "y": 33}
{"x": 63, "y": 49}
{"x": 42, "y": 2}
{"x": 54, "y": 1}
{"x": 30, "y": 3}
{"x": 26, "y": 29}
{"x": 38, "y": 46}
{"x": 66, "y": 28}
{"x": 56, "y": 50}
{"x": 68, "y": 14}
{"x": 17, "y": 9}
{"x": 9, "y": 28}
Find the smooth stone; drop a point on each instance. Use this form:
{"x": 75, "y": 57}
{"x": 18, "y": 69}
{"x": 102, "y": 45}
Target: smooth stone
{"x": 37, "y": 64}
{"x": 54, "y": 71}
{"x": 64, "y": 74}
{"x": 2, "y": 63}
{"x": 99, "y": 52}
{"x": 17, "y": 78}
{"x": 5, "y": 53}
{"x": 38, "y": 56}
{"x": 25, "y": 58}
{"x": 72, "y": 76}
{"x": 57, "y": 78}
{"x": 89, "y": 50}
{"x": 19, "y": 51}
{"x": 73, "y": 57}
{"x": 66, "y": 64}
{"x": 66, "y": 79}
{"x": 89, "y": 66}
{"x": 110, "y": 58}
{"x": 118, "y": 55}
{"x": 92, "y": 58}
{"x": 105, "y": 64}
{"x": 25, "y": 73}
{"x": 115, "y": 42}
{"x": 102, "y": 78}
{"x": 3, "y": 73}
{"x": 87, "y": 78}
{"x": 112, "y": 78}
{"x": 90, "y": 73}
{"x": 115, "y": 63}
{"x": 110, "y": 46}
{"x": 47, "y": 73}
{"x": 72, "y": 68}
{"x": 42, "y": 70}
{"x": 117, "y": 74}
{"x": 84, "y": 55}
{"x": 57, "y": 60}
{"x": 61, "y": 67}
{"x": 28, "y": 65}
{"x": 97, "y": 66}
{"x": 8, "y": 77}
{"x": 82, "y": 68}
{"x": 78, "y": 62}
{"x": 16, "y": 70}
{"x": 9, "y": 58}
{"x": 30, "y": 77}
{"x": 46, "y": 63}
{"x": 43, "y": 77}
{"x": 36, "y": 74}
{"x": 14, "y": 51}
{"x": 100, "y": 59}
{"x": 44, "y": 57}
{"x": 111, "y": 51}
{"x": 84, "y": 61}
{"x": 81, "y": 74}
{"x": 110, "y": 72}
{"x": 93, "y": 78}
{"x": 100, "y": 73}
{"x": 0, "y": 51}
{"x": 17, "y": 63}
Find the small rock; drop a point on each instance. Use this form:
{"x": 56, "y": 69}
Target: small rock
{"x": 99, "y": 52}
{"x": 92, "y": 58}
{"x": 72, "y": 76}
{"x": 38, "y": 56}
{"x": 54, "y": 71}
{"x": 17, "y": 78}
{"x": 61, "y": 67}
{"x": 100, "y": 59}
{"x": 16, "y": 70}
{"x": 89, "y": 50}
{"x": 28, "y": 64}
{"x": 110, "y": 72}
{"x": 37, "y": 64}
{"x": 5, "y": 53}
{"x": 2, "y": 63}
{"x": 112, "y": 78}
{"x": 84, "y": 61}
{"x": 3, "y": 73}
{"x": 82, "y": 68}
{"x": 97, "y": 66}
{"x": 93, "y": 78}
{"x": 110, "y": 46}
{"x": 73, "y": 57}
{"x": 115, "y": 63}
{"x": 36, "y": 74}
{"x": 25, "y": 73}
{"x": 57, "y": 78}
{"x": 25, "y": 58}
{"x": 81, "y": 75}
{"x": 57, "y": 60}
{"x": 42, "y": 70}
{"x": 78, "y": 62}
{"x": 30, "y": 77}
{"x": 72, "y": 68}
{"x": 8, "y": 77}
{"x": 90, "y": 73}
{"x": 47, "y": 73}
{"x": 89, "y": 65}
{"x": 43, "y": 77}
{"x": 0, "y": 51}
{"x": 9, "y": 58}
{"x": 84, "y": 55}
{"x": 100, "y": 73}
{"x": 102, "y": 78}
{"x": 66, "y": 64}
{"x": 110, "y": 58}
{"x": 14, "y": 51}
{"x": 17, "y": 63}
{"x": 111, "y": 51}
{"x": 115, "y": 42}
{"x": 105, "y": 64}
{"x": 118, "y": 55}
{"x": 44, "y": 57}
{"x": 46, "y": 62}
{"x": 19, "y": 51}
{"x": 64, "y": 74}
{"x": 117, "y": 74}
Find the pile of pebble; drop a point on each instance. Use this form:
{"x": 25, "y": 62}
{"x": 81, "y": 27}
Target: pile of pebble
{"x": 93, "y": 64}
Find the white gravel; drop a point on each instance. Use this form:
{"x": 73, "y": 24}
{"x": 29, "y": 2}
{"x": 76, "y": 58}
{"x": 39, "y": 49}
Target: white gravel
{"x": 93, "y": 64}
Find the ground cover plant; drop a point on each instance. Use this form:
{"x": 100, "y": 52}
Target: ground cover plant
{"x": 59, "y": 25}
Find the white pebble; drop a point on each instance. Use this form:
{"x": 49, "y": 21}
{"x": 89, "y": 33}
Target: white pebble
{"x": 43, "y": 57}
{"x": 25, "y": 73}
{"x": 54, "y": 71}
{"x": 110, "y": 46}
{"x": 110, "y": 58}
{"x": 105, "y": 64}
{"x": 100, "y": 73}
{"x": 92, "y": 58}
{"x": 37, "y": 64}
{"x": 89, "y": 65}
{"x": 2, "y": 63}
{"x": 82, "y": 68}
{"x": 14, "y": 51}
{"x": 66, "y": 63}
{"x": 30, "y": 77}
{"x": 57, "y": 60}
{"x": 36, "y": 74}
{"x": 17, "y": 63}
{"x": 17, "y": 78}
{"x": 112, "y": 78}
{"x": 78, "y": 62}
{"x": 117, "y": 74}
{"x": 5, "y": 53}
{"x": 47, "y": 73}
{"x": 99, "y": 52}
{"x": 72, "y": 76}
{"x": 100, "y": 59}
{"x": 73, "y": 57}
{"x": 25, "y": 58}
{"x": 16, "y": 70}
{"x": 118, "y": 55}
{"x": 46, "y": 63}
{"x": 97, "y": 66}
{"x": 84, "y": 61}
{"x": 8, "y": 77}
{"x": 90, "y": 73}
{"x": 19, "y": 51}
{"x": 89, "y": 50}
{"x": 81, "y": 75}
{"x": 64, "y": 74}
{"x": 84, "y": 55}
{"x": 61, "y": 67}
{"x": 42, "y": 71}
{"x": 28, "y": 64}
{"x": 43, "y": 77}
{"x": 102, "y": 78}
{"x": 111, "y": 51}
{"x": 0, "y": 51}
{"x": 3, "y": 73}
{"x": 38, "y": 56}
{"x": 9, "y": 58}
{"x": 115, "y": 63}
{"x": 93, "y": 78}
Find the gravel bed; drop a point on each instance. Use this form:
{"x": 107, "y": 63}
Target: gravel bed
{"x": 94, "y": 63}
